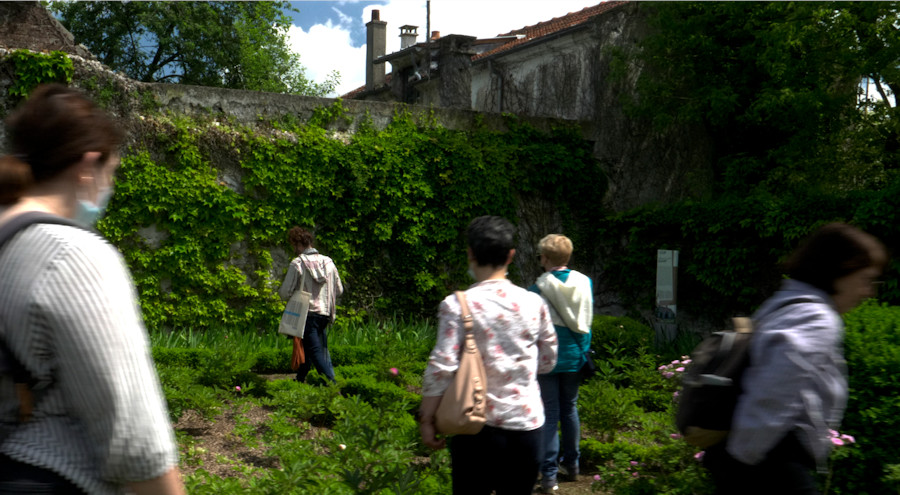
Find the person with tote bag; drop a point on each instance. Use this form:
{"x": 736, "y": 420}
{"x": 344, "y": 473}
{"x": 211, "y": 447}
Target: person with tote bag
{"x": 316, "y": 274}
{"x": 513, "y": 332}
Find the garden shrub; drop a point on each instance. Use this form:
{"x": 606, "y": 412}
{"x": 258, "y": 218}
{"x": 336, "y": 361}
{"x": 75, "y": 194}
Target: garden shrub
{"x": 619, "y": 335}
{"x": 183, "y": 393}
{"x": 382, "y": 393}
{"x": 350, "y": 355}
{"x": 668, "y": 466}
{"x": 872, "y": 347}
{"x": 273, "y": 360}
{"x": 179, "y": 356}
{"x": 605, "y": 409}
{"x": 303, "y": 401}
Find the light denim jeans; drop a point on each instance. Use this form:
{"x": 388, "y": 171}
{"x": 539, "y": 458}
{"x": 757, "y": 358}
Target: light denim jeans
{"x": 559, "y": 392}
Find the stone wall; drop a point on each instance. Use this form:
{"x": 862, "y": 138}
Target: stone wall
{"x": 29, "y": 25}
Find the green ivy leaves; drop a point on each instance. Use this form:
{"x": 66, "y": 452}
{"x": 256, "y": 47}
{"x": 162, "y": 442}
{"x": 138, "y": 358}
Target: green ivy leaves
{"x": 33, "y": 68}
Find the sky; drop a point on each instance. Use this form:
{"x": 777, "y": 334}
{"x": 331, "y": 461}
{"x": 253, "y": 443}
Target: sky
{"x": 331, "y": 35}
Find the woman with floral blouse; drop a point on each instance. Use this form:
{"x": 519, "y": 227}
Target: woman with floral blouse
{"x": 515, "y": 336}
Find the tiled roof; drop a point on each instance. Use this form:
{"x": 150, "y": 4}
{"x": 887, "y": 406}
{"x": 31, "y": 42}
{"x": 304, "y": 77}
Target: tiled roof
{"x": 554, "y": 25}
{"x": 532, "y": 33}
{"x": 356, "y": 92}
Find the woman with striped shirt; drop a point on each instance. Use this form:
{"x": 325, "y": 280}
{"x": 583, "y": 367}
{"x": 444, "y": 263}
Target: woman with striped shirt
{"x": 69, "y": 315}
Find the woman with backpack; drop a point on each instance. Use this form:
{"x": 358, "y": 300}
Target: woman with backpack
{"x": 795, "y": 388}
{"x": 81, "y": 407}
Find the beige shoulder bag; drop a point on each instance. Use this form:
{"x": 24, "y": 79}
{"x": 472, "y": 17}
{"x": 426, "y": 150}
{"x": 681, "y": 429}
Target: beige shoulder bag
{"x": 462, "y": 409}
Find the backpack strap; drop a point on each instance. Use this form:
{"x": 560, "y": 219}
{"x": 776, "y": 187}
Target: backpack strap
{"x": 23, "y": 379}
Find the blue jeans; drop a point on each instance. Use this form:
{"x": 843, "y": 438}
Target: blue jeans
{"x": 559, "y": 392}
{"x": 315, "y": 346}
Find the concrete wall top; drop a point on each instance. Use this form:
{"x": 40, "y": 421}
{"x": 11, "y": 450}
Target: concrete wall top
{"x": 250, "y": 107}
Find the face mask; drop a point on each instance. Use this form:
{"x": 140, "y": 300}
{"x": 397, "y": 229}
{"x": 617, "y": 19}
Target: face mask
{"x": 89, "y": 213}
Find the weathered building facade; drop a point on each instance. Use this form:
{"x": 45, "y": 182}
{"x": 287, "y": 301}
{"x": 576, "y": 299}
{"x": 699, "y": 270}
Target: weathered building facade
{"x": 560, "y": 69}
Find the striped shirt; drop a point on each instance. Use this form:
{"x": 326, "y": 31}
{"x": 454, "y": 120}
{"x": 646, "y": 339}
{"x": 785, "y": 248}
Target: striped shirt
{"x": 71, "y": 317}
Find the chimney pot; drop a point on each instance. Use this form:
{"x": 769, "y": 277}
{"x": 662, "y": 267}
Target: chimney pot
{"x": 435, "y": 35}
{"x": 376, "y": 15}
{"x": 408, "y": 36}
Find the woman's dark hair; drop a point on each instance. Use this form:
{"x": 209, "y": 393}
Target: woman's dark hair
{"x": 834, "y": 251}
{"x": 50, "y": 132}
{"x": 490, "y": 239}
{"x": 300, "y": 238}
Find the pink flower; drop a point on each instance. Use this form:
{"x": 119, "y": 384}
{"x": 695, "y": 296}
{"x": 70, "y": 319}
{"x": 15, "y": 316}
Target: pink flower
{"x": 686, "y": 361}
{"x": 699, "y": 455}
{"x": 848, "y": 438}
{"x": 680, "y": 368}
{"x": 668, "y": 374}
{"x": 837, "y": 441}
{"x": 634, "y": 463}
{"x": 676, "y": 362}
{"x": 238, "y": 388}
{"x": 634, "y": 474}
{"x": 675, "y": 394}
{"x": 596, "y": 477}
{"x": 394, "y": 371}
{"x": 661, "y": 367}
{"x": 675, "y": 435}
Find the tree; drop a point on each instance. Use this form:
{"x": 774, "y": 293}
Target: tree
{"x": 777, "y": 85}
{"x": 238, "y": 45}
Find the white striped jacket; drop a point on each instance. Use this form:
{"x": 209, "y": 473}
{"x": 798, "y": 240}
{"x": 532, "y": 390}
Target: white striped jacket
{"x": 72, "y": 319}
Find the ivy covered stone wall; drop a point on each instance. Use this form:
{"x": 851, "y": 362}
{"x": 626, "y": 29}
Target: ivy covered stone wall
{"x": 212, "y": 179}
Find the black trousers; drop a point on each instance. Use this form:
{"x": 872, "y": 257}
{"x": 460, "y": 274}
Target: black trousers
{"x": 495, "y": 459}
{"x": 786, "y": 470}
{"x": 19, "y": 478}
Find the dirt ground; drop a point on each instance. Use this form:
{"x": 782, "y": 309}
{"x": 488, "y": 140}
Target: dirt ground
{"x": 215, "y": 447}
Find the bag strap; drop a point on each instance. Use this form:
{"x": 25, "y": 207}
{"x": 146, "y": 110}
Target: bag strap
{"x": 23, "y": 379}
{"x": 302, "y": 274}
{"x": 468, "y": 321}
{"x": 468, "y": 325}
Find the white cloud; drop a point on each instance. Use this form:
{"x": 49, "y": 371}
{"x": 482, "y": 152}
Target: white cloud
{"x": 326, "y": 47}
{"x": 345, "y": 19}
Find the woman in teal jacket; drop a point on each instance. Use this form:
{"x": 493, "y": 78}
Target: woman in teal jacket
{"x": 569, "y": 295}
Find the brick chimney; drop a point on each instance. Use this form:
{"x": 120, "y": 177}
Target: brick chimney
{"x": 435, "y": 35}
{"x": 376, "y": 41}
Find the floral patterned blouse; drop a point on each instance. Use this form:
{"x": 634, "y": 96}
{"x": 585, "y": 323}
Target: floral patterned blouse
{"x": 517, "y": 341}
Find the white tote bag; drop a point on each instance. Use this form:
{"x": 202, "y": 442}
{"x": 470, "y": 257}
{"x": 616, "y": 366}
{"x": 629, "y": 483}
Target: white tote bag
{"x": 293, "y": 320}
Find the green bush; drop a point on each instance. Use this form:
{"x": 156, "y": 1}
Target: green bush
{"x": 384, "y": 394}
{"x": 273, "y": 360}
{"x": 612, "y": 335}
{"x": 872, "y": 346}
{"x": 183, "y": 393}
{"x": 184, "y": 357}
{"x": 668, "y": 466}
